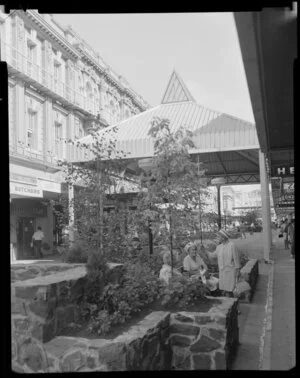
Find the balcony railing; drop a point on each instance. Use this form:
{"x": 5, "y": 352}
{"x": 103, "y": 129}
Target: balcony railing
{"x": 23, "y": 64}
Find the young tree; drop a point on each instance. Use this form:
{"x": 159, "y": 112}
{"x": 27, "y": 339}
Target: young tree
{"x": 93, "y": 180}
{"x": 170, "y": 192}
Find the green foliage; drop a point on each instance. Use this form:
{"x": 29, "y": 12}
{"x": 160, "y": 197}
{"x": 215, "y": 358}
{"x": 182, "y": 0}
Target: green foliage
{"x": 118, "y": 302}
{"x": 251, "y": 216}
{"x": 77, "y": 253}
{"x": 182, "y": 292}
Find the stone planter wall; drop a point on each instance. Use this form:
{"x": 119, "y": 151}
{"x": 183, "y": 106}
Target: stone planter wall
{"x": 42, "y": 307}
{"x": 143, "y": 347}
{"x": 22, "y": 272}
{"x": 204, "y": 341}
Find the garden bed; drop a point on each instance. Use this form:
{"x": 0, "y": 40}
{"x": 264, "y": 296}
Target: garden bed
{"x": 202, "y": 306}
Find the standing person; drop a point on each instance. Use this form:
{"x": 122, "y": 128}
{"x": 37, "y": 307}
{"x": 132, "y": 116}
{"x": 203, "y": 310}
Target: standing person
{"x": 228, "y": 263}
{"x": 13, "y": 242}
{"x": 37, "y": 239}
{"x": 284, "y": 230}
{"x": 243, "y": 230}
{"x": 252, "y": 228}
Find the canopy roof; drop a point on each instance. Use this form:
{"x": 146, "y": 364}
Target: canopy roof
{"x": 227, "y": 144}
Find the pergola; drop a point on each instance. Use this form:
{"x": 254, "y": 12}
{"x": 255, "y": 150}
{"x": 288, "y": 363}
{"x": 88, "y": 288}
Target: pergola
{"x": 227, "y": 146}
{"x": 268, "y": 41}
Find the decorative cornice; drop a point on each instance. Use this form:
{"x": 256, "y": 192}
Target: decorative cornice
{"x": 48, "y": 29}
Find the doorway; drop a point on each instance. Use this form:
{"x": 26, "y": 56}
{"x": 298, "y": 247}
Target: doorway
{"x": 26, "y": 227}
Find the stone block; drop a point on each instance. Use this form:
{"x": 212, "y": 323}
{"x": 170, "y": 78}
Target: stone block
{"x": 113, "y": 355}
{"x": 201, "y": 362}
{"x": 73, "y": 361}
{"x": 220, "y": 360}
{"x": 183, "y": 318}
{"x": 40, "y": 308}
{"x": 217, "y": 334}
{"x": 204, "y": 344}
{"x": 184, "y": 329}
{"x": 33, "y": 356}
{"x": 180, "y": 341}
{"x": 20, "y": 323}
{"x": 49, "y": 330}
{"x": 77, "y": 290}
{"x": 203, "y": 319}
{"x": 25, "y": 292}
{"x": 150, "y": 346}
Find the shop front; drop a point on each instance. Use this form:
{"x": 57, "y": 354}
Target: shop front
{"x": 26, "y": 216}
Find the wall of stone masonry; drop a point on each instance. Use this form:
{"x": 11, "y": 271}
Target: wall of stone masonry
{"x": 204, "y": 341}
{"x": 143, "y": 347}
{"x": 41, "y": 307}
{"x": 161, "y": 341}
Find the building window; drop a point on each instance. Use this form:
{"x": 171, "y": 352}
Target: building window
{"x": 57, "y": 71}
{"x": 58, "y": 146}
{"x": 32, "y": 129}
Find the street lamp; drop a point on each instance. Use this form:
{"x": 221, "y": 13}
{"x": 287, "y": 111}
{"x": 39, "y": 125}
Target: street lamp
{"x": 218, "y": 181}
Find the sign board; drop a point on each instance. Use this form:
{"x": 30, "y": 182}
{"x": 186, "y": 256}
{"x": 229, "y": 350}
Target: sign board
{"x": 50, "y": 186}
{"x": 282, "y": 171}
{"x": 28, "y": 208}
{"x": 25, "y": 190}
{"x": 21, "y": 178}
{"x": 276, "y": 183}
{"x": 287, "y": 204}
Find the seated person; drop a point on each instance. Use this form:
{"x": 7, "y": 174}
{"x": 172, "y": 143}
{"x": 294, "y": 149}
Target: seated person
{"x": 166, "y": 271}
{"x": 196, "y": 267}
{"x": 192, "y": 263}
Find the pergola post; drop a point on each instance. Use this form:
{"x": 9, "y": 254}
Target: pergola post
{"x": 266, "y": 211}
{"x": 71, "y": 212}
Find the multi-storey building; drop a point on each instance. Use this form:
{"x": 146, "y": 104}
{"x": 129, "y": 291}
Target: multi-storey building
{"x": 227, "y": 199}
{"x": 59, "y": 89}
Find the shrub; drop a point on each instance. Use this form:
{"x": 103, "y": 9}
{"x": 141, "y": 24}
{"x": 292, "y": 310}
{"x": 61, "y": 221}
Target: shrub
{"x": 182, "y": 292}
{"x": 76, "y": 253}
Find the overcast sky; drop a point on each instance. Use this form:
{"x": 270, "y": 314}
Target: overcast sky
{"x": 145, "y": 48}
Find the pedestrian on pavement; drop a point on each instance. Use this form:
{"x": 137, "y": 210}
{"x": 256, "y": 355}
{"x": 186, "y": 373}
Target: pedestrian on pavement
{"x": 243, "y": 230}
{"x": 284, "y": 230}
{"x": 252, "y": 228}
{"x": 228, "y": 263}
{"x": 37, "y": 239}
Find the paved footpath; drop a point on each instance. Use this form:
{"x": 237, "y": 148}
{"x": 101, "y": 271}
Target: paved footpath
{"x": 267, "y": 324}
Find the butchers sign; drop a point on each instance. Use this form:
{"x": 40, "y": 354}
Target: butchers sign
{"x": 25, "y": 190}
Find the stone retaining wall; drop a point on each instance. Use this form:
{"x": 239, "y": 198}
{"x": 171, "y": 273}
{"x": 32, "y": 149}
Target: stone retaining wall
{"x": 22, "y": 272}
{"x": 45, "y": 305}
{"x": 143, "y": 347}
{"x": 204, "y": 341}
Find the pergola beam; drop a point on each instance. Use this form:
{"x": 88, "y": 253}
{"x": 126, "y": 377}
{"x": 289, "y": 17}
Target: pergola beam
{"x": 249, "y": 158}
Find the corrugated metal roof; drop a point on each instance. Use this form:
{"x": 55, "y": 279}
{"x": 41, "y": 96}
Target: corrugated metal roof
{"x": 214, "y": 131}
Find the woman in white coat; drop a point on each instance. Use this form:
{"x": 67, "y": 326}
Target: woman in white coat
{"x": 228, "y": 263}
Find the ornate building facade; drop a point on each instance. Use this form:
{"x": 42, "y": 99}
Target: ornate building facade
{"x": 59, "y": 89}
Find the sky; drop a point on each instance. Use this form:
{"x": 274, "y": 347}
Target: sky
{"x": 145, "y": 48}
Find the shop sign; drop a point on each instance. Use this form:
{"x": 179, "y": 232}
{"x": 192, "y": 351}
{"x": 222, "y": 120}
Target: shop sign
{"x": 283, "y": 171}
{"x": 25, "y": 190}
{"x": 291, "y": 205}
{"x": 28, "y": 208}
